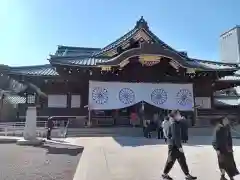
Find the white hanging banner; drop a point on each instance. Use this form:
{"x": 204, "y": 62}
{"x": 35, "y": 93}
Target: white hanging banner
{"x": 117, "y": 95}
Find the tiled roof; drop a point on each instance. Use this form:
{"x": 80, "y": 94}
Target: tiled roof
{"x": 230, "y": 78}
{"x": 140, "y": 25}
{"x": 91, "y": 59}
{"x": 75, "y": 51}
{"x": 214, "y": 65}
{"x": 235, "y": 77}
{"x": 227, "y": 101}
{"x": 116, "y": 43}
{"x": 79, "y": 61}
{"x": 42, "y": 70}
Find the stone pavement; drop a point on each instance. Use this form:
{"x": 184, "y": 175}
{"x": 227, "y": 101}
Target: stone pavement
{"x": 124, "y": 158}
{"x": 50, "y": 161}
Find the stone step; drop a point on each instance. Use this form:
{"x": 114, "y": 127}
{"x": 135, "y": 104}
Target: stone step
{"x": 136, "y": 132}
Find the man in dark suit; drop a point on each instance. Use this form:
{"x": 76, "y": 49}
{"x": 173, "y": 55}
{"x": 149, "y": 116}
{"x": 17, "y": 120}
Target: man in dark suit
{"x": 175, "y": 151}
{"x": 50, "y": 126}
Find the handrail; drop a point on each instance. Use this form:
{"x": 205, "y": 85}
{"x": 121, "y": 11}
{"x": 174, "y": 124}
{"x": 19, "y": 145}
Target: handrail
{"x": 66, "y": 129}
{"x": 18, "y": 127}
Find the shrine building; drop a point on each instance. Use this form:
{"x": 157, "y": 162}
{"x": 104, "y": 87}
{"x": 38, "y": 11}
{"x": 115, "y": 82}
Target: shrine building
{"x": 136, "y": 71}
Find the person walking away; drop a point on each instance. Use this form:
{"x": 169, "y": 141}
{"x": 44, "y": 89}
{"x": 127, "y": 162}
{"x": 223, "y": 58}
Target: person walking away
{"x": 184, "y": 132}
{"x": 175, "y": 151}
{"x": 165, "y": 127}
{"x": 222, "y": 144}
{"x": 158, "y": 122}
{"x": 50, "y": 126}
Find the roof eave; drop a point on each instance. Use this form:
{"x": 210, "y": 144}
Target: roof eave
{"x": 73, "y": 65}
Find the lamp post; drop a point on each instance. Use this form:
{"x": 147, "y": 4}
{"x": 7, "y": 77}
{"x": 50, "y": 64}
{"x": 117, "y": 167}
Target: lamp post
{"x": 1, "y": 105}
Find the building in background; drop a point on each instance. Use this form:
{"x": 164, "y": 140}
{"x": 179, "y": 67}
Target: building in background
{"x": 230, "y": 46}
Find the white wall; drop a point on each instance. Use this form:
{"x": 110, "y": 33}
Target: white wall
{"x": 75, "y": 101}
{"x": 57, "y": 101}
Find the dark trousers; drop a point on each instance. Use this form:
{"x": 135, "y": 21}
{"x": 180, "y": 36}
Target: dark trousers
{"x": 146, "y": 132}
{"x": 160, "y": 133}
{"x": 173, "y": 155}
{"x": 226, "y": 162}
{"x": 49, "y": 133}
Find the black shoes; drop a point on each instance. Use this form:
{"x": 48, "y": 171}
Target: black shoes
{"x": 166, "y": 177}
{"x": 190, "y": 177}
{"x": 223, "y": 177}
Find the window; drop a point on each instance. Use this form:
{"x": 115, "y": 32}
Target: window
{"x": 31, "y": 99}
{"x": 203, "y": 102}
{"x": 75, "y": 101}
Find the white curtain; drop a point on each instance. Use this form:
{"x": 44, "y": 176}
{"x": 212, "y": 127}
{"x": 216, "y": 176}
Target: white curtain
{"x": 116, "y": 95}
{"x": 57, "y": 101}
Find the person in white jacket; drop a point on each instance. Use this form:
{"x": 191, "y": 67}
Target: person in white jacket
{"x": 165, "y": 125}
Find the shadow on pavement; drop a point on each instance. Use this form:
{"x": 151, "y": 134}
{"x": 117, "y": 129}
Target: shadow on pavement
{"x": 206, "y": 140}
{"x": 197, "y": 141}
{"x": 134, "y": 142}
{"x": 62, "y": 149}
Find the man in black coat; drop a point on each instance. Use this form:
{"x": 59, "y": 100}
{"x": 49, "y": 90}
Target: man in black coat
{"x": 50, "y": 126}
{"x": 175, "y": 151}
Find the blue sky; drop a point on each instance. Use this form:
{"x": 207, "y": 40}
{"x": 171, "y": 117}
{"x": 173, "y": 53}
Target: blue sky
{"x": 30, "y": 30}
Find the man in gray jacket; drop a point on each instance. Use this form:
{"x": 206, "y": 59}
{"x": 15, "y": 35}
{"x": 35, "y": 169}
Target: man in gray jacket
{"x": 175, "y": 151}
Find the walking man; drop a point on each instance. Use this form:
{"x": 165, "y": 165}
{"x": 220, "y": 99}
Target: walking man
{"x": 175, "y": 151}
{"x": 50, "y": 126}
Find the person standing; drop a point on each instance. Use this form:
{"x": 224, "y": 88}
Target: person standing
{"x": 160, "y": 129}
{"x": 222, "y": 144}
{"x": 157, "y": 120}
{"x": 165, "y": 127}
{"x": 175, "y": 151}
{"x": 147, "y": 129}
{"x": 50, "y": 126}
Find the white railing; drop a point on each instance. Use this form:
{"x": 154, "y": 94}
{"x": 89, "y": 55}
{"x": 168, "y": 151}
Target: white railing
{"x": 17, "y": 128}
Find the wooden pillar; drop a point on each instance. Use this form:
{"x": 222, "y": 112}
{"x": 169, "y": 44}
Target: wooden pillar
{"x": 69, "y": 98}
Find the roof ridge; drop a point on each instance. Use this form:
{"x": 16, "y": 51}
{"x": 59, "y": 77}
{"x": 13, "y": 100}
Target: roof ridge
{"x": 30, "y": 66}
{"x": 118, "y": 39}
{"x": 78, "y": 47}
{"x": 60, "y": 58}
{"x": 216, "y": 62}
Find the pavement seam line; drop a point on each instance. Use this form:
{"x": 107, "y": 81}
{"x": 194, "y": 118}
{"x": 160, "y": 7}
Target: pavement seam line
{"x": 106, "y": 161}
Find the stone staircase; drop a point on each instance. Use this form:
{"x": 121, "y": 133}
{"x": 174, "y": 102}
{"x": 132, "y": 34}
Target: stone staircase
{"x": 102, "y": 131}
{"x": 135, "y": 132}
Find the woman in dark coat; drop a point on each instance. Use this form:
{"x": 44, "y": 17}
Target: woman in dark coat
{"x": 230, "y": 147}
{"x": 222, "y": 143}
